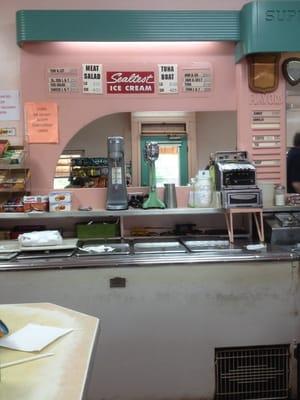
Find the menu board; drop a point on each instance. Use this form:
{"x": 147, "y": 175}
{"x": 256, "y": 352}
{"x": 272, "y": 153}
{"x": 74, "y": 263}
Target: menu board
{"x": 62, "y": 80}
{"x": 92, "y": 78}
{"x": 265, "y": 119}
{"x": 167, "y": 78}
{"x": 197, "y": 80}
{"x": 260, "y": 141}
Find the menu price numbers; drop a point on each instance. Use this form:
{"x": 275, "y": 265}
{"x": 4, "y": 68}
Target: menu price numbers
{"x": 62, "y": 84}
{"x": 167, "y": 78}
{"x": 197, "y": 81}
{"x": 62, "y": 70}
{"x": 265, "y": 119}
{"x": 92, "y": 78}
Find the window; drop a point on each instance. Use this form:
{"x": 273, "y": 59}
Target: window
{"x": 169, "y": 128}
{"x": 63, "y": 168}
{"x": 171, "y": 165}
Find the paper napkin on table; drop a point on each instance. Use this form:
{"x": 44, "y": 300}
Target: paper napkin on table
{"x": 33, "y": 337}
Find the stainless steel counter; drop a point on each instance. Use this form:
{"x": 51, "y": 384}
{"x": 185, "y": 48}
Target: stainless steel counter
{"x": 235, "y": 254}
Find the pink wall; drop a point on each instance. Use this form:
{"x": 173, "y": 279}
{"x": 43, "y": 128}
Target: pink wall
{"x": 247, "y": 102}
{"x": 77, "y": 110}
{"x": 230, "y": 92}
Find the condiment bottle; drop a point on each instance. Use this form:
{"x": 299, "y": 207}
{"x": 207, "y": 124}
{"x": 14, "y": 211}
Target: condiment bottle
{"x": 279, "y": 195}
{"x": 203, "y": 189}
{"x": 191, "y": 200}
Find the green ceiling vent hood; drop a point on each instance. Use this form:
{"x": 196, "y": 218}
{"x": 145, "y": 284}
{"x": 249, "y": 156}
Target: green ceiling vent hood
{"x": 126, "y": 25}
{"x": 261, "y": 26}
{"x": 269, "y": 26}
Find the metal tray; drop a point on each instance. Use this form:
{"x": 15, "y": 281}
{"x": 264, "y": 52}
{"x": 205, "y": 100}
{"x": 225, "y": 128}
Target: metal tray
{"x": 7, "y": 246}
{"x": 118, "y": 248}
{"x": 159, "y": 247}
{"x": 197, "y": 246}
{"x": 7, "y": 256}
{"x": 45, "y": 254}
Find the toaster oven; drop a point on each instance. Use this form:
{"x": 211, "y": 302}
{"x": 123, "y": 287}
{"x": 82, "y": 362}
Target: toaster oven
{"x": 241, "y": 198}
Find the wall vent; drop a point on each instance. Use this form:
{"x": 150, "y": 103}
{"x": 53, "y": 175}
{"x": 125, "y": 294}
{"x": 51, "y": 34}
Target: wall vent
{"x": 163, "y": 128}
{"x": 248, "y": 373}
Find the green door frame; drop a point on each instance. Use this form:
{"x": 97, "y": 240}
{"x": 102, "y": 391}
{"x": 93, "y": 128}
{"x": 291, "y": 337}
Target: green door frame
{"x": 183, "y": 157}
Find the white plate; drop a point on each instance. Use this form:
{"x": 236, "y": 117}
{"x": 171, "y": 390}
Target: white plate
{"x": 14, "y": 245}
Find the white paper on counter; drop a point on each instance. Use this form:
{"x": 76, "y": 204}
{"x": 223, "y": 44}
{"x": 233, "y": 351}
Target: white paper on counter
{"x": 33, "y": 337}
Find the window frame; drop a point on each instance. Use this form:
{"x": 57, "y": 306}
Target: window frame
{"x": 166, "y": 139}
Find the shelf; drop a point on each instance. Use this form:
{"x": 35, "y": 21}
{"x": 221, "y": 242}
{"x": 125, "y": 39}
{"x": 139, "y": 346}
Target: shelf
{"x": 109, "y": 213}
{"x": 101, "y": 213}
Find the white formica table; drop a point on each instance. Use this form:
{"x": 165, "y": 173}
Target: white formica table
{"x": 62, "y": 376}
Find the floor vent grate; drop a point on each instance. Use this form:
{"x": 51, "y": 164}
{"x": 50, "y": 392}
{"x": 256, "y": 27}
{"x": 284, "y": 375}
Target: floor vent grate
{"x": 248, "y": 373}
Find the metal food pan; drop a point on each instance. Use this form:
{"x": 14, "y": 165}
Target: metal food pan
{"x": 210, "y": 246}
{"x": 86, "y": 249}
{"x": 159, "y": 247}
{"x": 45, "y": 254}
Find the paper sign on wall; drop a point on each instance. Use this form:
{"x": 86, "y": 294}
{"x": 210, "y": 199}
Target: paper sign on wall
{"x": 41, "y": 122}
{"x": 167, "y": 78}
{"x": 9, "y": 105}
{"x": 92, "y": 78}
{"x": 63, "y": 80}
{"x": 197, "y": 80}
{"x": 10, "y": 131}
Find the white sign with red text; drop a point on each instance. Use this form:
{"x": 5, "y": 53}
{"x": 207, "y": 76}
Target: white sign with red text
{"x": 9, "y": 105}
{"x": 129, "y": 82}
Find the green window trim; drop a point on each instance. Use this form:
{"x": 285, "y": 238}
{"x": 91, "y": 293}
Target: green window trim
{"x": 183, "y": 157}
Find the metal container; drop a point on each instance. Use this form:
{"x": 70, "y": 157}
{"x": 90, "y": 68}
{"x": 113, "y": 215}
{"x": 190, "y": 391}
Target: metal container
{"x": 282, "y": 229}
{"x": 170, "y": 199}
{"x": 211, "y": 246}
{"x": 159, "y": 247}
{"x": 99, "y": 248}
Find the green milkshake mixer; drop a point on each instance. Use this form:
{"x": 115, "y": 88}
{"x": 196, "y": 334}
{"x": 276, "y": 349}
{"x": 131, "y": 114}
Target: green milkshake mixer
{"x": 151, "y": 153}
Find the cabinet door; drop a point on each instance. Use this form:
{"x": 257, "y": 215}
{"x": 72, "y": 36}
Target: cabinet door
{"x": 160, "y": 325}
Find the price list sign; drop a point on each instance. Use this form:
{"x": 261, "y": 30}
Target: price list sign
{"x": 62, "y": 80}
{"x": 167, "y": 78}
{"x": 197, "y": 80}
{"x": 92, "y": 78}
{"x": 265, "y": 119}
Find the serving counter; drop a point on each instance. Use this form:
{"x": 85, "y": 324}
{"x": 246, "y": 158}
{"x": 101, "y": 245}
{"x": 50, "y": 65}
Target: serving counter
{"x": 163, "y": 316}
{"x": 238, "y": 253}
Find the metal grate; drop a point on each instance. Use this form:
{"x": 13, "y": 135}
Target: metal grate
{"x": 248, "y": 373}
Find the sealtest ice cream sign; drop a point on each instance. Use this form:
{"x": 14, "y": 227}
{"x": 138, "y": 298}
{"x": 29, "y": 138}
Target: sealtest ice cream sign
{"x": 127, "y": 82}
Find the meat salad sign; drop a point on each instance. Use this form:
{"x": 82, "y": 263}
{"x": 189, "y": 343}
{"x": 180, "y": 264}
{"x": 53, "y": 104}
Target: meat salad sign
{"x": 127, "y": 82}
